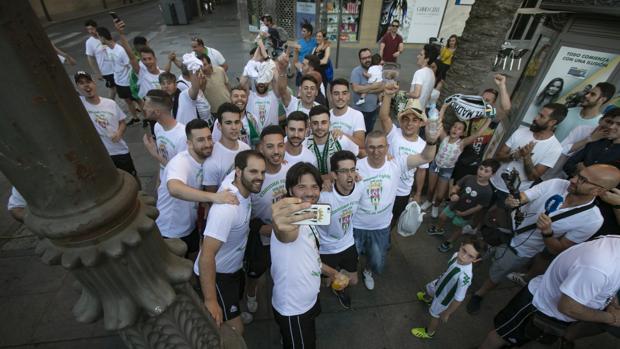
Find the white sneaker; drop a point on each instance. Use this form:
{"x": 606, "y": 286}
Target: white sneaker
{"x": 426, "y": 205}
{"x": 361, "y": 101}
{"x": 435, "y": 212}
{"x": 252, "y": 304}
{"x": 517, "y": 278}
{"x": 369, "y": 282}
{"x": 469, "y": 230}
{"x": 246, "y": 317}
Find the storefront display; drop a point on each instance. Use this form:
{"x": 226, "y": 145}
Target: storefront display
{"x": 419, "y": 19}
{"x": 349, "y": 27}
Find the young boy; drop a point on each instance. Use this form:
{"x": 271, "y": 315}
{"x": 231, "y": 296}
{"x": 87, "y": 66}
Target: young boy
{"x": 468, "y": 196}
{"x": 446, "y": 293}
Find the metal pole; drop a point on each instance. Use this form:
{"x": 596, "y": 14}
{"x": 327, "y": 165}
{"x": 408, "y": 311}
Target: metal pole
{"x": 89, "y": 216}
{"x": 339, "y": 2}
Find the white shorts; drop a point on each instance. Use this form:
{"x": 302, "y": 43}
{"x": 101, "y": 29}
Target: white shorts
{"x": 436, "y": 307}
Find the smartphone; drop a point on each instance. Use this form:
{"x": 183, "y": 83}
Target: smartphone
{"x": 323, "y": 215}
{"x": 115, "y": 17}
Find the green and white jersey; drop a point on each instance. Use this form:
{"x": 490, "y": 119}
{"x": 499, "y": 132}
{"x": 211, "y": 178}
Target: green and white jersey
{"x": 452, "y": 284}
{"x": 324, "y": 152}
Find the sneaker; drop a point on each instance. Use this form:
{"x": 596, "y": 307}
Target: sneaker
{"x": 517, "y": 278}
{"x": 445, "y": 246}
{"x": 433, "y": 230}
{"x": 252, "y": 304}
{"x": 369, "y": 282}
{"x": 426, "y": 205}
{"x": 246, "y": 317}
{"x": 473, "y": 306}
{"x": 343, "y": 298}
{"x": 469, "y": 230}
{"x": 422, "y": 298}
{"x": 145, "y": 123}
{"x": 435, "y": 211}
{"x": 361, "y": 101}
{"x": 421, "y": 333}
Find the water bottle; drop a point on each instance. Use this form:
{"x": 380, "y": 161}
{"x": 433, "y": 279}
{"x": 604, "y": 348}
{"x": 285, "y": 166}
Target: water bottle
{"x": 433, "y": 119}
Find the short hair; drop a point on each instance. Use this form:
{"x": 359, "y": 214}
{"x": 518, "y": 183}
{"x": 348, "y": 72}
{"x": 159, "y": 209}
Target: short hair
{"x": 196, "y": 124}
{"x": 239, "y": 88}
{"x": 227, "y": 107}
{"x": 199, "y": 41}
{"x": 272, "y": 130}
{"x": 340, "y": 156}
{"x": 430, "y": 52}
{"x": 339, "y": 81}
{"x": 318, "y": 110}
{"x": 314, "y": 61}
{"x": 376, "y": 134}
{"x": 294, "y": 174}
{"x": 492, "y": 163}
{"x": 395, "y": 21}
{"x": 297, "y": 116}
{"x": 203, "y": 56}
{"x": 308, "y": 77}
{"x": 558, "y": 113}
{"x": 139, "y": 40}
{"x": 147, "y": 50}
{"x": 308, "y": 27}
{"x": 612, "y": 113}
{"x": 241, "y": 159}
{"x": 375, "y": 59}
{"x": 492, "y": 91}
{"x": 104, "y": 33}
{"x": 478, "y": 244}
{"x": 160, "y": 98}
{"x": 359, "y": 53}
{"x": 167, "y": 76}
{"x": 607, "y": 90}
{"x": 90, "y": 23}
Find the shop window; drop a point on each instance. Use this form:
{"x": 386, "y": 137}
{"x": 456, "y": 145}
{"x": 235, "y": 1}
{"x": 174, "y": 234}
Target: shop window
{"x": 350, "y": 12}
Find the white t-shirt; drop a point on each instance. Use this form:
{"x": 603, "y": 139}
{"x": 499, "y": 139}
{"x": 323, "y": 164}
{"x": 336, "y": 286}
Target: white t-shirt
{"x": 338, "y": 235}
{"x": 296, "y": 272}
{"x": 379, "y": 185}
{"x": 589, "y": 273}
{"x": 215, "y": 56}
{"x": 572, "y": 120}
{"x": 546, "y": 152}
{"x": 147, "y": 81}
{"x": 229, "y": 224}
{"x": 349, "y": 122}
{"x": 273, "y": 189}
{"x": 244, "y": 135}
{"x": 202, "y": 106}
{"x": 296, "y": 105}
{"x": 548, "y": 197}
{"x": 169, "y": 143}
{"x": 400, "y": 147}
{"x": 105, "y": 116}
{"x": 264, "y": 108}
{"x": 95, "y": 48}
{"x": 183, "y": 84}
{"x": 16, "y": 200}
{"x": 177, "y": 218}
{"x": 376, "y": 73}
{"x": 186, "y": 111}
{"x": 305, "y": 156}
{"x": 121, "y": 64}
{"x": 426, "y": 78}
{"x": 220, "y": 163}
{"x": 577, "y": 134}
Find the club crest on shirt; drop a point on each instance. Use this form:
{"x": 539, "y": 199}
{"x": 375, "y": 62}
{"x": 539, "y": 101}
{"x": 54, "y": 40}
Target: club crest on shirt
{"x": 278, "y": 193}
{"x": 101, "y": 119}
{"x": 345, "y": 219}
{"x": 375, "y": 187}
{"x": 163, "y": 151}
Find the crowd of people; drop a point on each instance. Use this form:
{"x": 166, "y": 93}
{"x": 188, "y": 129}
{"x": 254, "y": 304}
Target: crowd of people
{"x": 239, "y": 180}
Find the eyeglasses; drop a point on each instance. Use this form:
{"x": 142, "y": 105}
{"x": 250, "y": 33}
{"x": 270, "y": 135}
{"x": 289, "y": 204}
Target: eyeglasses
{"x": 581, "y": 180}
{"x": 346, "y": 170}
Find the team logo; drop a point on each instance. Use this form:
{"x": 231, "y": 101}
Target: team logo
{"x": 262, "y": 113}
{"x": 345, "y": 219}
{"x": 466, "y": 280}
{"x": 163, "y": 151}
{"x": 375, "y": 187}
{"x": 101, "y": 120}
{"x": 278, "y": 193}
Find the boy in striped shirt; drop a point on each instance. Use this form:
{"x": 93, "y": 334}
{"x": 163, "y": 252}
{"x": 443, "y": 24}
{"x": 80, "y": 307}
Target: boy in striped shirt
{"x": 447, "y": 292}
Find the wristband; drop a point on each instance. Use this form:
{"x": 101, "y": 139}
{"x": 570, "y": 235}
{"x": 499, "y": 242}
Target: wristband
{"x": 546, "y": 236}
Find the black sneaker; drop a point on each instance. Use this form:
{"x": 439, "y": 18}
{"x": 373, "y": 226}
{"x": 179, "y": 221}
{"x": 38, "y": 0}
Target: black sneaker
{"x": 133, "y": 121}
{"x": 343, "y": 298}
{"x": 473, "y": 306}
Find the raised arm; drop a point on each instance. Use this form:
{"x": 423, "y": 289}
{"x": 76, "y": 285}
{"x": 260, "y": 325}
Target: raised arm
{"x": 283, "y": 218}
{"x": 469, "y": 140}
{"x": 281, "y": 83}
{"x": 384, "y": 111}
{"x": 199, "y": 81}
{"x": 120, "y": 28}
{"x": 428, "y": 153}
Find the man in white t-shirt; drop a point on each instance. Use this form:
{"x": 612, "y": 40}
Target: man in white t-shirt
{"x": 541, "y": 203}
{"x": 343, "y": 117}
{"x": 403, "y": 141}
{"x": 530, "y": 151}
{"x": 97, "y": 57}
{"x": 220, "y": 263}
{"x": 249, "y": 133}
{"x": 423, "y": 80}
{"x": 296, "y": 248}
{"x": 221, "y": 163}
{"x": 109, "y": 122}
{"x": 337, "y": 245}
{"x": 263, "y": 103}
{"x": 580, "y": 285}
{"x": 179, "y": 194}
{"x": 184, "y": 103}
{"x": 380, "y": 179}
{"x": 170, "y": 138}
{"x": 121, "y": 66}
{"x": 296, "y": 130}
{"x": 216, "y": 56}
{"x": 322, "y": 142}
{"x": 308, "y": 91}
{"x": 258, "y": 257}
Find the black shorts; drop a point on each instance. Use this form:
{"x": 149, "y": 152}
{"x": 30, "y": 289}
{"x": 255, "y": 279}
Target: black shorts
{"x": 125, "y": 163}
{"x": 298, "y": 331}
{"x": 192, "y": 241}
{"x": 346, "y": 259}
{"x": 124, "y": 92}
{"x": 109, "y": 80}
{"x": 229, "y": 288}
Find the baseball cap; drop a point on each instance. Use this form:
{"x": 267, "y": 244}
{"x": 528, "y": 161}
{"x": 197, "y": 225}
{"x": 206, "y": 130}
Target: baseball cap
{"x": 81, "y": 74}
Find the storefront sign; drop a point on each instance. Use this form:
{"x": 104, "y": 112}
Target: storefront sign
{"x": 306, "y": 13}
{"x": 419, "y": 19}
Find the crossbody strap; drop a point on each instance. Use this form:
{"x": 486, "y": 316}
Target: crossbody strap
{"x": 557, "y": 217}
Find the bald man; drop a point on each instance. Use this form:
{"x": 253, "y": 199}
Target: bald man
{"x": 541, "y": 203}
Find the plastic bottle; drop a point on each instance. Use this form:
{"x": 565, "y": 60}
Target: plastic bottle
{"x": 433, "y": 119}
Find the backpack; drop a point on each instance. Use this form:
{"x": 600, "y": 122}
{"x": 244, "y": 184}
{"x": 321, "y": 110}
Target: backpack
{"x": 282, "y": 34}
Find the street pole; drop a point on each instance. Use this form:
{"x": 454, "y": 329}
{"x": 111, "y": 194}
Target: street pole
{"x": 339, "y": 4}
{"x": 90, "y": 217}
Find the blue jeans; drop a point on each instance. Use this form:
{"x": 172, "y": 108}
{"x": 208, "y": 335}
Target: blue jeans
{"x": 370, "y": 117}
{"x": 373, "y": 244}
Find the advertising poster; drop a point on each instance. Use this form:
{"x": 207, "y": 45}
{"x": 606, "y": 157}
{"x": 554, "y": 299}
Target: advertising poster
{"x": 572, "y": 72}
{"x": 306, "y": 13}
{"x": 419, "y": 19}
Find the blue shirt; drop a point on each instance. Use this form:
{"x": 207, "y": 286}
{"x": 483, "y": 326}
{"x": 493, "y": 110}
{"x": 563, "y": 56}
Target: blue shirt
{"x": 371, "y": 98}
{"x": 306, "y": 47}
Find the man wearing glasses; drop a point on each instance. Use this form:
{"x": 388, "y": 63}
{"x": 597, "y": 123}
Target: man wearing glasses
{"x": 391, "y": 43}
{"x": 548, "y": 238}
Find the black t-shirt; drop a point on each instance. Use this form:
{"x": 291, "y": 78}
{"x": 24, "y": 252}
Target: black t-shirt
{"x": 472, "y": 194}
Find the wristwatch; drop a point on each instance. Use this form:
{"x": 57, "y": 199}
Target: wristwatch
{"x": 546, "y": 236}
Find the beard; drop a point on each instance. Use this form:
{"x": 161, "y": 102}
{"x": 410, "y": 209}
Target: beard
{"x": 252, "y": 186}
{"x": 534, "y": 127}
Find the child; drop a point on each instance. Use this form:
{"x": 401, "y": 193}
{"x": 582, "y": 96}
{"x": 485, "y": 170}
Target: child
{"x": 374, "y": 74}
{"x": 451, "y": 146}
{"x": 469, "y": 196}
{"x": 446, "y": 293}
